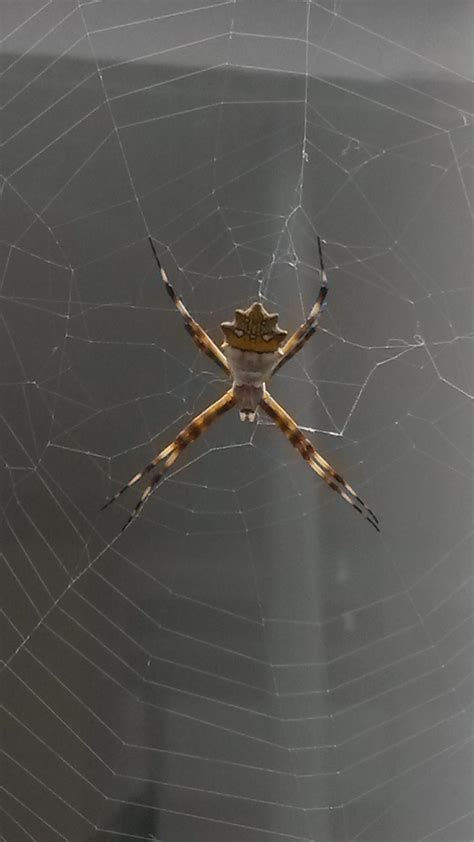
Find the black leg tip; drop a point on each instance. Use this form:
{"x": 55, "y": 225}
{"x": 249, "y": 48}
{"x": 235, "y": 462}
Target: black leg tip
{"x": 126, "y": 524}
{"x": 154, "y": 250}
{"x": 320, "y": 250}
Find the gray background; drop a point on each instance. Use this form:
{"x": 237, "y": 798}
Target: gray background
{"x": 250, "y": 661}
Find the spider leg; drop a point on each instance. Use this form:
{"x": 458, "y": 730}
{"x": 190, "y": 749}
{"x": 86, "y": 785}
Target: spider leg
{"x": 168, "y": 456}
{"x": 198, "y": 334}
{"x": 314, "y": 459}
{"x": 310, "y": 324}
{"x": 154, "y": 462}
{"x": 151, "y": 487}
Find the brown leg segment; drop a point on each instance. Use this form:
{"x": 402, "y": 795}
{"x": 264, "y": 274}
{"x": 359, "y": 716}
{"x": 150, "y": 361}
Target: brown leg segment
{"x": 314, "y": 459}
{"x": 171, "y": 452}
{"x": 310, "y": 324}
{"x": 197, "y": 333}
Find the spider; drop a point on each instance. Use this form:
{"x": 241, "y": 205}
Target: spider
{"x": 254, "y": 348}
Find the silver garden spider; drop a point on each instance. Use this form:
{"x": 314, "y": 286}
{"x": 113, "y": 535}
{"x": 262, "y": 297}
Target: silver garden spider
{"x": 254, "y": 348}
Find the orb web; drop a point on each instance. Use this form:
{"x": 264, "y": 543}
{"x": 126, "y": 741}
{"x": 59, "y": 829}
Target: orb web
{"x": 249, "y": 661}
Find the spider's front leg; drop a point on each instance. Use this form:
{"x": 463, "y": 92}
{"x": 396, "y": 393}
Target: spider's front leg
{"x": 314, "y": 459}
{"x": 168, "y": 456}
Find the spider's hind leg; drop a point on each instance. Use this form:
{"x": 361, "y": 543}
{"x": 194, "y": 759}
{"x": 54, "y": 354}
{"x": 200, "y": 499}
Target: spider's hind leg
{"x": 306, "y": 330}
{"x": 197, "y": 333}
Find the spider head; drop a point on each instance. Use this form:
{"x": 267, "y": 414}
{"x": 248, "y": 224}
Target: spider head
{"x": 254, "y": 330}
{"x": 247, "y": 415}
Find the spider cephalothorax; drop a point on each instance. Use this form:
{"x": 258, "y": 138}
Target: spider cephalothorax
{"x": 250, "y": 356}
{"x": 254, "y": 330}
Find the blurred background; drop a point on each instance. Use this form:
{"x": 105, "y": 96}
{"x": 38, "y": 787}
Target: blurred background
{"x": 250, "y": 661}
